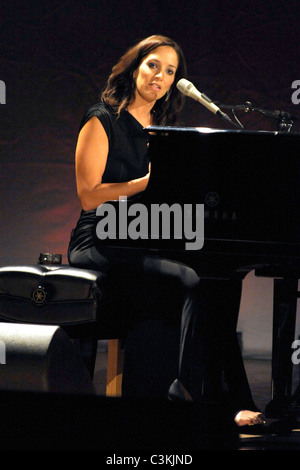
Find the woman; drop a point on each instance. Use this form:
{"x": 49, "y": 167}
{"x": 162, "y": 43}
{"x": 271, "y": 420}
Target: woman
{"x": 112, "y": 161}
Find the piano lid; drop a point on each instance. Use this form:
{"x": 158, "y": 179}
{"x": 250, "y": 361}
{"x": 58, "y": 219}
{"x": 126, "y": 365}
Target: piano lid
{"x": 169, "y": 130}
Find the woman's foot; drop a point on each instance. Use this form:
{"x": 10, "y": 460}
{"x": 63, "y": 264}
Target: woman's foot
{"x": 249, "y": 418}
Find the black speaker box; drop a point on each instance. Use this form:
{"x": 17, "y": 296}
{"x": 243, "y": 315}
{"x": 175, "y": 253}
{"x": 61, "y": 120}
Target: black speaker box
{"x": 40, "y": 358}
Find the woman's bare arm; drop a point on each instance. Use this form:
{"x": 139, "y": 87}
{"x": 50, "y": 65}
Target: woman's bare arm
{"x": 91, "y": 157}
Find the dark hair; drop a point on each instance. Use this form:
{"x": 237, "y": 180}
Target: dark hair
{"x": 120, "y": 86}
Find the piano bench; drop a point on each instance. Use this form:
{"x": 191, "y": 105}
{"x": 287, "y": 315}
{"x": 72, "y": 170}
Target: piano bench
{"x": 67, "y": 297}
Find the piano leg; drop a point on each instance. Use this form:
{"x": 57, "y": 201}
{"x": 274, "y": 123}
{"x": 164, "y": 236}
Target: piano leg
{"x": 284, "y": 320}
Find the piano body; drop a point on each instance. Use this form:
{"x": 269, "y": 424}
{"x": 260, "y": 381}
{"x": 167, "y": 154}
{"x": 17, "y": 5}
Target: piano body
{"x": 248, "y": 182}
{"x": 249, "y": 185}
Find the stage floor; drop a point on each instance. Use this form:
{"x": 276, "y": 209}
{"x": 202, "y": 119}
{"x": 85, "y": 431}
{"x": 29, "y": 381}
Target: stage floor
{"x": 278, "y": 434}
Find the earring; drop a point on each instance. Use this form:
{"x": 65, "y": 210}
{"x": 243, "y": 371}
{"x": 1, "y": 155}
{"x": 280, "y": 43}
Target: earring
{"x": 167, "y": 96}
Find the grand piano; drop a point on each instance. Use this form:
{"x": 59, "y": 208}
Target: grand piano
{"x": 249, "y": 185}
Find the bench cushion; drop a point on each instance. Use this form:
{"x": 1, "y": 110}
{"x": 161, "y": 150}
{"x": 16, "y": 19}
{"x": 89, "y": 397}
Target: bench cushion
{"x": 49, "y": 294}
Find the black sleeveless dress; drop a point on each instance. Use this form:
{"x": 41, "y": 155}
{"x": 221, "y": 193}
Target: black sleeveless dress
{"x": 127, "y": 160}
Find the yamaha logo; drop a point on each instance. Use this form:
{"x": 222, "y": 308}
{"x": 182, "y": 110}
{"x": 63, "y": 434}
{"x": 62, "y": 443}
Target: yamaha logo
{"x": 212, "y": 199}
{"x": 218, "y": 214}
{"x": 39, "y": 295}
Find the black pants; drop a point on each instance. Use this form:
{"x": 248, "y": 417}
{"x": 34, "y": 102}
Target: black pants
{"x": 140, "y": 287}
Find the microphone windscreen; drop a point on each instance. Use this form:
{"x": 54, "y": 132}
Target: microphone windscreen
{"x": 184, "y": 86}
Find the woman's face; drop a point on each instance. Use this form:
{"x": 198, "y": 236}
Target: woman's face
{"x": 156, "y": 73}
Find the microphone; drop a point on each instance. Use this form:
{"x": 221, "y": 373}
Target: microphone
{"x": 187, "y": 88}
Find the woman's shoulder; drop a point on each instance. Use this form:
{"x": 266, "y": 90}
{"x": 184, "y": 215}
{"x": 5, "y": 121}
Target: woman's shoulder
{"x": 102, "y": 111}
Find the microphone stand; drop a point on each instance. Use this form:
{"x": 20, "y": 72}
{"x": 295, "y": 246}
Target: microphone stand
{"x": 226, "y": 118}
{"x": 285, "y": 119}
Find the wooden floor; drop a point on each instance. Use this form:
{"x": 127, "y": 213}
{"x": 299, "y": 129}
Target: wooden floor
{"x": 277, "y": 434}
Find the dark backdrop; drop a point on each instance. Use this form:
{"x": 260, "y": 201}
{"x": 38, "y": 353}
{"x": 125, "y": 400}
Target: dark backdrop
{"x": 55, "y": 56}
